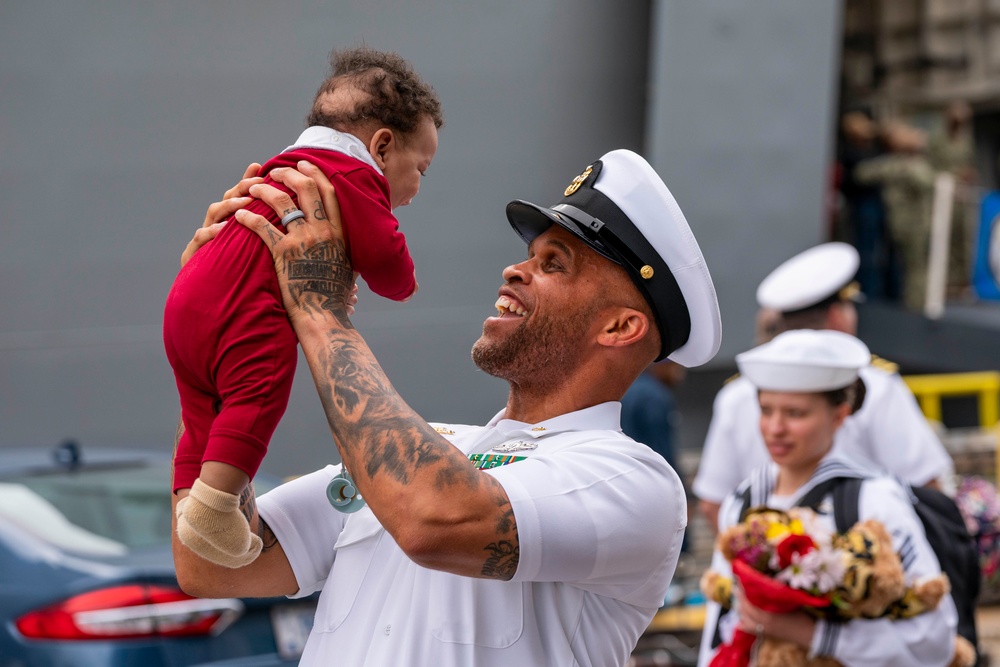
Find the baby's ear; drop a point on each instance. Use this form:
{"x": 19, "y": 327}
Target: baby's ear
{"x": 382, "y": 143}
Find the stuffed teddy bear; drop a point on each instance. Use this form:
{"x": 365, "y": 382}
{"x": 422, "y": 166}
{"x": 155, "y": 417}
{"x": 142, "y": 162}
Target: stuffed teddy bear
{"x": 873, "y": 586}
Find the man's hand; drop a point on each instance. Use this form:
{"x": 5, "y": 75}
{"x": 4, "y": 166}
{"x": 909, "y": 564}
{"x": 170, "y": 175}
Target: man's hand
{"x": 234, "y": 199}
{"x": 311, "y": 255}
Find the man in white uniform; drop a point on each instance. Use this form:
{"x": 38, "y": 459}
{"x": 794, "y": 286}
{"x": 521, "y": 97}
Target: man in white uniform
{"x": 545, "y": 537}
{"x": 814, "y": 290}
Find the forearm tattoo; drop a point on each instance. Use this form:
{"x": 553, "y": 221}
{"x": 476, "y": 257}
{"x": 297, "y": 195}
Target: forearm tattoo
{"x": 248, "y": 506}
{"x": 369, "y": 418}
{"x": 321, "y": 278}
{"x": 374, "y": 428}
{"x": 248, "y": 503}
{"x": 502, "y": 561}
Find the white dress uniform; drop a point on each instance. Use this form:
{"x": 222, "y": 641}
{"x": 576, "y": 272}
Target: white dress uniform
{"x": 889, "y": 432}
{"x": 600, "y": 520}
{"x": 813, "y": 362}
{"x": 925, "y": 640}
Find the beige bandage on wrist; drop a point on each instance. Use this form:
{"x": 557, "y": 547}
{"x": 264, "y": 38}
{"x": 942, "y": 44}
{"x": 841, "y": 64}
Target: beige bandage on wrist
{"x": 210, "y": 524}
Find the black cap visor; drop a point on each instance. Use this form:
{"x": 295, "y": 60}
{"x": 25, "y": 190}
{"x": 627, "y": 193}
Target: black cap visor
{"x": 531, "y": 221}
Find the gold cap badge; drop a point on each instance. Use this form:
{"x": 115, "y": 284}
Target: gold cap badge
{"x": 849, "y": 291}
{"x": 578, "y": 181}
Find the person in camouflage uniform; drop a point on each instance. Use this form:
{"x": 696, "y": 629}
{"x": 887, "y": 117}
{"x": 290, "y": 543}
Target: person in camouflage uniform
{"x": 951, "y": 149}
{"x": 907, "y": 180}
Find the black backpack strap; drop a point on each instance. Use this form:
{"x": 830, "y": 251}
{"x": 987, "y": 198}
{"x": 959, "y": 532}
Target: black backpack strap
{"x": 746, "y": 503}
{"x": 845, "y": 490}
{"x": 845, "y": 502}
{"x": 815, "y": 495}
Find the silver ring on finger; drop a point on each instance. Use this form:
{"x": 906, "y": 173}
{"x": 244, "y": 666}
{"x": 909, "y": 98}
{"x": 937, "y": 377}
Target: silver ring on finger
{"x": 294, "y": 215}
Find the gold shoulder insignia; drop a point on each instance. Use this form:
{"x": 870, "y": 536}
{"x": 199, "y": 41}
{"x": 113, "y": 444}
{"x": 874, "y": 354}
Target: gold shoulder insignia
{"x": 884, "y": 364}
{"x": 444, "y": 431}
{"x": 731, "y": 378}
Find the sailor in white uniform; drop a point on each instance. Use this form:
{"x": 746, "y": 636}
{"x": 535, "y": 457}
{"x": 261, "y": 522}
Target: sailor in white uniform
{"x": 814, "y": 290}
{"x": 807, "y": 383}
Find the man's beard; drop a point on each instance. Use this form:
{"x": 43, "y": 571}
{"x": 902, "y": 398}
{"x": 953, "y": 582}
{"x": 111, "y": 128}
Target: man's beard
{"x": 536, "y": 351}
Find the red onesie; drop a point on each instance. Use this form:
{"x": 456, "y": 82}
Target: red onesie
{"x": 225, "y": 330}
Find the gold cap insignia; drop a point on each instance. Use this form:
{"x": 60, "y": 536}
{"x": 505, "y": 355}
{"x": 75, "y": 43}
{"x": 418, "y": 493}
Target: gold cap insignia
{"x": 578, "y": 181}
{"x": 849, "y": 291}
{"x": 646, "y": 272}
{"x": 444, "y": 431}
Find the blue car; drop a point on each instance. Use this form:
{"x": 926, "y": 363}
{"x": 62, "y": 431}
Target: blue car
{"x": 87, "y": 576}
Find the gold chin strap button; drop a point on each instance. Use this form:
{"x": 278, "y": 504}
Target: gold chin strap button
{"x": 646, "y": 272}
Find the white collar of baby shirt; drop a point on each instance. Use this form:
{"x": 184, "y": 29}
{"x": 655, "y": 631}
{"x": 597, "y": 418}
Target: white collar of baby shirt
{"x": 327, "y": 138}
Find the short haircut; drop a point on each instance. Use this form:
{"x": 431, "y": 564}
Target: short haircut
{"x": 382, "y": 88}
{"x": 807, "y": 318}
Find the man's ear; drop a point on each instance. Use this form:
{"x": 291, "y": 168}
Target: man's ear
{"x": 382, "y": 142}
{"x": 623, "y": 326}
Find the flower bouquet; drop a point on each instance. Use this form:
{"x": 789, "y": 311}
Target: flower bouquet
{"x": 787, "y": 561}
{"x": 782, "y": 567}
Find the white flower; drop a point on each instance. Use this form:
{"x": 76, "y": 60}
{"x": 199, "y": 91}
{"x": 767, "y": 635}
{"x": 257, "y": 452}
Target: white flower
{"x": 820, "y": 570}
{"x": 829, "y": 565}
{"x": 797, "y": 575}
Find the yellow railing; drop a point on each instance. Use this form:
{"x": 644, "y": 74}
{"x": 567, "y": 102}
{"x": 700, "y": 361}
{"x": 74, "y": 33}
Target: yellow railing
{"x": 985, "y": 385}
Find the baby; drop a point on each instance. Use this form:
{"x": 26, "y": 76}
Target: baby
{"x": 373, "y": 131}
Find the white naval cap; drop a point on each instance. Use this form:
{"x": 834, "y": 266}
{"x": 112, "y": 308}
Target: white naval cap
{"x": 805, "y": 360}
{"x": 621, "y": 208}
{"x": 822, "y": 272}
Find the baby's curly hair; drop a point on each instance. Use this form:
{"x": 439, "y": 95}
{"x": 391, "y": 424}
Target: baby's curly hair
{"x": 366, "y": 87}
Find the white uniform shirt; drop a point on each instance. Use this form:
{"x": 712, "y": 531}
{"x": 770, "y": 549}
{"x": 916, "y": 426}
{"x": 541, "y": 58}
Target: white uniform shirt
{"x": 925, "y": 640}
{"x": 600, "y": 520}
{"x": 889, "y": 432}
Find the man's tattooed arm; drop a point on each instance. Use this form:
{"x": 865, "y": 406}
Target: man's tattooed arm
{"x": 440, "y": 509}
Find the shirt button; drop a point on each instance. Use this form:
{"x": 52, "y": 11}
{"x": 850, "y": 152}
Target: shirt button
{"x": 388, "y": 629}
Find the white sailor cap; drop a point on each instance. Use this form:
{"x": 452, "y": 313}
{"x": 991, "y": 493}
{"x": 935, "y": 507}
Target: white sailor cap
{"x": 805, "y": 360}
{"x": 619, "y": 207}
{"x": 821, "y": 273}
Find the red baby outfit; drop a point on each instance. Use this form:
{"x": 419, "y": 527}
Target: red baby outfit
{"x": 225, "y": 330}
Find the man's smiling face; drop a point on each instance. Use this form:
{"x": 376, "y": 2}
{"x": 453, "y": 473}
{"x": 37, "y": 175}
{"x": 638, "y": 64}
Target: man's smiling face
{"x": 545, "y": 310}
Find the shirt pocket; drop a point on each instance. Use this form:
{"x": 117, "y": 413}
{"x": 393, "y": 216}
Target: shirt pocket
{"x": 477, "y": 612}
{"x": 355, "y": 551}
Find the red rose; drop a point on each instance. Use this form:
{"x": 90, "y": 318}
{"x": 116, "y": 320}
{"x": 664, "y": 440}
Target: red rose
{"x": 793, "y": 544}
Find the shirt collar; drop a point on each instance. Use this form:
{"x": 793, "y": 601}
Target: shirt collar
{"x": 329, "y": 139}
{"x": 832, "y": 465}
{"x": 600, "y": 417}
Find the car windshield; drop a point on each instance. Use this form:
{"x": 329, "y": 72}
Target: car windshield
{"x": 105, "y": 511}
